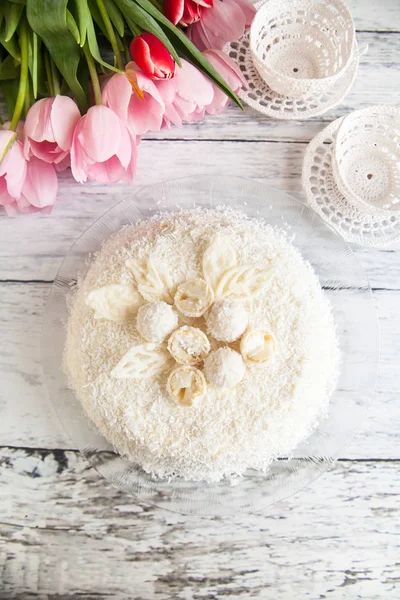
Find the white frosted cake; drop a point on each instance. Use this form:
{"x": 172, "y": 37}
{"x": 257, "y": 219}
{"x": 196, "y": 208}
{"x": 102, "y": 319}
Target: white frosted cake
{"x": 200, "y": 344}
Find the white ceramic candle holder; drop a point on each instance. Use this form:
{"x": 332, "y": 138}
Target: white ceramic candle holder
{"x": 302, "y": 47}
{"x": 366, "y": 158}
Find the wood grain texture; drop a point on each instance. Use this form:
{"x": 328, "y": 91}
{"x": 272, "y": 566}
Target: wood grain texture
{"x": 27, "y": 418}
{"x": 67, "y": 532}
{"x": 34, "y": 246}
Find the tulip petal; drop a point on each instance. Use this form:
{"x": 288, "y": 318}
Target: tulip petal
{"x": 173, "y": 10}
{"x": 205, "y": 3}
{"x": 146, "y": 114}
{"x": 192, "y": 85}
{"x": 38, "y": 122}
{"x": 64, "y": 117}
{"x": 140, "y": 53}
{"x": 110, "y": 171}
{"x": 5, "y": 198}
{"x": 131, "y": 170}
{"x": 41, "y": 185}
{"x": 13, "y": 169}
{"x": 99, "y": 133}
{"x": 117, "y": 95}
{"x": 225, "y": 20}
{"x": 7, "y": 139}
{"x": 152, "y": 56}
{"x": 248, "y": 9}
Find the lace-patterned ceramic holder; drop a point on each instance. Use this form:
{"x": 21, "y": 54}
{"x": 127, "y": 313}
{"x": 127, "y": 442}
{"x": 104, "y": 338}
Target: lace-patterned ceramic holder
{"x": 355, "y": 224}
{"x": 366, "y": 158}
{"x": 302, "y": 47}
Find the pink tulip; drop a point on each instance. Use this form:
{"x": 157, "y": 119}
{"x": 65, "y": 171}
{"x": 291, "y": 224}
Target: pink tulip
{"x": 39, "y": 191}
{"x": 12, "y": 168}
{"x": 152, "y": 57}
{"x": 103, "y": 149}
{"x": 230, "y": 72}
{"x": 140, "y": 114}
{"x": 185, "y": 96}
{"x": 49, "y": 127}
{"x": 225, "y": 22}
{"x": 185, "y": 12}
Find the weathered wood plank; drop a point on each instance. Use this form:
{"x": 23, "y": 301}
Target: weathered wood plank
{"x": 32, "y": 247}
{"x": 67, "y": 532}
{"x": 375, "y": 16}
{"x": 27, "y": 418}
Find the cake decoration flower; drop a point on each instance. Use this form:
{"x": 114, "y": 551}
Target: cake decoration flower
{"x": 220, "y": 298}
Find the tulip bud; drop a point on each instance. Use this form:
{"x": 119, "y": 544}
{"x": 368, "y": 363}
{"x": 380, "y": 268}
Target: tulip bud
{"x": 152, "y": 57}
{"x": 184, "y": 12}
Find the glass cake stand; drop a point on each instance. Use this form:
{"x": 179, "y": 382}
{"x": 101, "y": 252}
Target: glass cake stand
{"x": 343, "y": 280}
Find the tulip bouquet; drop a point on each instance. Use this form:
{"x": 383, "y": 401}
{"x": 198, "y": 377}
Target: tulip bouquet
{"x": 71, "y": 105}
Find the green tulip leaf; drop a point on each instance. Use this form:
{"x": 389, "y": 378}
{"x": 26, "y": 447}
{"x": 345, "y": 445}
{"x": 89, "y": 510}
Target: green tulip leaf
{"x": 48, "y": 18}
{"x": 94, "y": 47}
{"x": 11, "y": 46}
{"x": 115, "y": 17}
{"x": 80, "y": 11}
{"x": 8, "y": 69}
{"x": 189, "y": 50}
{"x": 9, "y": 89}
{"x": 95, "y": 14}
{"x": 12, "y": 14}
{"x": 73, "y": 27}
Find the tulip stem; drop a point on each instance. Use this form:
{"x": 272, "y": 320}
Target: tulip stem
{"x": 93, "y": 73}
{"x": 23, "y": 79}
{"x": 54, "y": 77}
{"x": 126, "y": 49}
{"x": 49, "y": 79}
{"x": 110, "y": 33}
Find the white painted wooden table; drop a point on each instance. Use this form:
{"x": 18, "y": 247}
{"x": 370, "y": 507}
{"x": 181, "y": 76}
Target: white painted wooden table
{"x": 66, "y": 533}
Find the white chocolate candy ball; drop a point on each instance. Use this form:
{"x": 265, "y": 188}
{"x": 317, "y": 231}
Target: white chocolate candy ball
{"x": 186, "y": 385}
{"x": 224, "y": 368}
{"x": 227, "y": 320}
{"x": 257, "y": 346}
{"x": 188, "y": 345}
{"x": 156, "y": 321}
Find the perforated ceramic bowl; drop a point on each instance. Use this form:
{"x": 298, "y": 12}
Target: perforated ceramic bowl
{"x": 300, "y": 48}
{"x": 366, "y": 158}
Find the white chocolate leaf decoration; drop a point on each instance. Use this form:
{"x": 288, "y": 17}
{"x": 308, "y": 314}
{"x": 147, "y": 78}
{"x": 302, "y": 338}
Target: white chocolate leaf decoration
{"x": 154, "y": 282}
{"x": 143, "y": 361}
{"x": 217, "y": 259}
{"x": 114, "y": 302}
{"x": 243, "y": 282}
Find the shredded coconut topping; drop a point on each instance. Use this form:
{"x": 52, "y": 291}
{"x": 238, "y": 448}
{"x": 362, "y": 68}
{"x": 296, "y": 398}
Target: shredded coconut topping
{"x": 274, "y": 406}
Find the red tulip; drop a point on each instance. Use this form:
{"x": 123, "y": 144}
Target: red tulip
{"x": 152, "y": 57}
{"x": 185, "y": 12}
